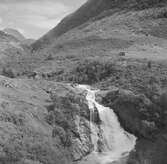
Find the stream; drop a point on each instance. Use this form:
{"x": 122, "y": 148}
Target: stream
{"x": 110, "y": 141}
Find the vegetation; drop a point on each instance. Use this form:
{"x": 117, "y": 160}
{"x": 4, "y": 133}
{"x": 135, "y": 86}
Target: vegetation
{"x": 91, "y": 71}
{"x": 16, "y": 151}
{"x": 163, "y": 100}
{"x": 8, "y": 72}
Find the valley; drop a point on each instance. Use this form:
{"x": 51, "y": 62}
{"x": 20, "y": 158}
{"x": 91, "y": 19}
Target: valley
{"x": 116, "y": 47}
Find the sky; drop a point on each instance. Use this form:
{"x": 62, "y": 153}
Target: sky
{"x": 34, "y": 18}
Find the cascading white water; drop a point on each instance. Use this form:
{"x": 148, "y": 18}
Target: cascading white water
{"x": 117, "y": 143}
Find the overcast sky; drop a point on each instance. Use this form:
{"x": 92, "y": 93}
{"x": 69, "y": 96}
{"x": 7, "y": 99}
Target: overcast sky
{"x": 34, "y": 18}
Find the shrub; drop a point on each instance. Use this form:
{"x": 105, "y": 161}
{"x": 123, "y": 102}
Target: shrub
{"x": 12, "y": 152}
{"x": 38, "y": 150}
{"x": 49, "y": 57}
{"x": 121, "y": 54}
{"x": 8, "y": 72}
{"x": 149, "y": 64}
{"x": 163, "y": 100}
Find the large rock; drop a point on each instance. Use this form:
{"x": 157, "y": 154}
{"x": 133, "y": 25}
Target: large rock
{"x": 143, "y": 118}
{"x": 136, "y": 113}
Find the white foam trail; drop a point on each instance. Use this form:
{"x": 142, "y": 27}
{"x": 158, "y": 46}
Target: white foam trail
{"x": 117, "y": 143}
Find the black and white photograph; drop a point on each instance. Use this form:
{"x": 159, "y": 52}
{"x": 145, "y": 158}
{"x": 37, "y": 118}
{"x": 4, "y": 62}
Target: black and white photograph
{"x": 83, "y": 81}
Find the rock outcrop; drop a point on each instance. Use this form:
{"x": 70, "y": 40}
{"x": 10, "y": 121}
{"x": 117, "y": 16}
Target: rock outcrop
{"x": 140, "y": 116}
{"x": 136, "y": 112}
{"x": 42, "y": 122}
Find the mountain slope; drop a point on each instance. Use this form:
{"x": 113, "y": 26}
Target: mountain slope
{"x": 37, "y": 122}
{"x": 11, "y": 49}
{"x": 19, "y": 36}
{"x": 14, "y": 33}
{"x": 89, "y": 10}
{"x": 46, "y": 122}
{"x": 137, "y": 28}
{"x": 8, "y": 41}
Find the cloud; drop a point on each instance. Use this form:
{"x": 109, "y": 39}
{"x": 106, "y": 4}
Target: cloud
{"x": 43, "y": 22}
{"x": 34, "y": 17}
{"x": 44, "y": 15}
{"x": 1, "y": 21}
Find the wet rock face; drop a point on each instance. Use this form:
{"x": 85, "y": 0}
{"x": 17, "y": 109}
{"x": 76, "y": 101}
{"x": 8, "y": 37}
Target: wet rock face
{"x": 140, "y": 116}
{"x": 137, "y": 113}
{"x": 42, "y": 122}
{"x": 149, "y": 152}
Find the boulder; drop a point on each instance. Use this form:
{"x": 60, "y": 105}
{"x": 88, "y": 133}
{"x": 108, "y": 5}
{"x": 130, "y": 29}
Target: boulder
{"x": 137, "y": 114}
{"x": 112, "y": 92}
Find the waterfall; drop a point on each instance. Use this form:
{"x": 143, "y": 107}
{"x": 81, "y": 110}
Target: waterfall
{"x": 109, "y": 137}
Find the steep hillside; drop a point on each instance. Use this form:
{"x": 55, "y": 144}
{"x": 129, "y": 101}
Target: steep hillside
{"x": 89, "y": 10}
{"x": 28, "y": 41}
{"x": 8, "y": 41}
{"x": 139, "y": 32}
{"x": 38, "y": 121}
{"x": 11, "y": 49}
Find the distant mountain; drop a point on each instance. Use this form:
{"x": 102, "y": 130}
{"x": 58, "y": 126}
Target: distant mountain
{"x": 14, "y": 33}
{"x": 19, "y": 36}
{"x": 28, "y": 41}
{"x": 11, "y": 50}
{"x": 8, "y": 41}
{"x": 90, "y": 9}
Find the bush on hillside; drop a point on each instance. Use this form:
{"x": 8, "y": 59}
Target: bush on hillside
{"x": 8, "y": 72}
{"x": 18, "y": 150}
{"x": 163, "y": 100}
{"x": 142, "y": 4}
{"x": 49, "y": 57}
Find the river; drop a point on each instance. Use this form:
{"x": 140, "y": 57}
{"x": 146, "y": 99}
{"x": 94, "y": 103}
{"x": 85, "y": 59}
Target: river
{"x": 111, "y": 142}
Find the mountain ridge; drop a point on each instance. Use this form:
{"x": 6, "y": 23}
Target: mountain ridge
{"x": 14, "y": 33}
{"x": 90, "y": 9}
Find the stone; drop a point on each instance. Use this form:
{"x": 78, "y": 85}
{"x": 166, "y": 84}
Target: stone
{"x": 131, "y": 110}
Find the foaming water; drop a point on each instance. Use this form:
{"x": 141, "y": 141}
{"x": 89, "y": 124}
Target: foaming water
{"x": 116, "y": 143}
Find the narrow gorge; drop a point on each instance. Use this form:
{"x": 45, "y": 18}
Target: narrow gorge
{"x": 111, "y": 142}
